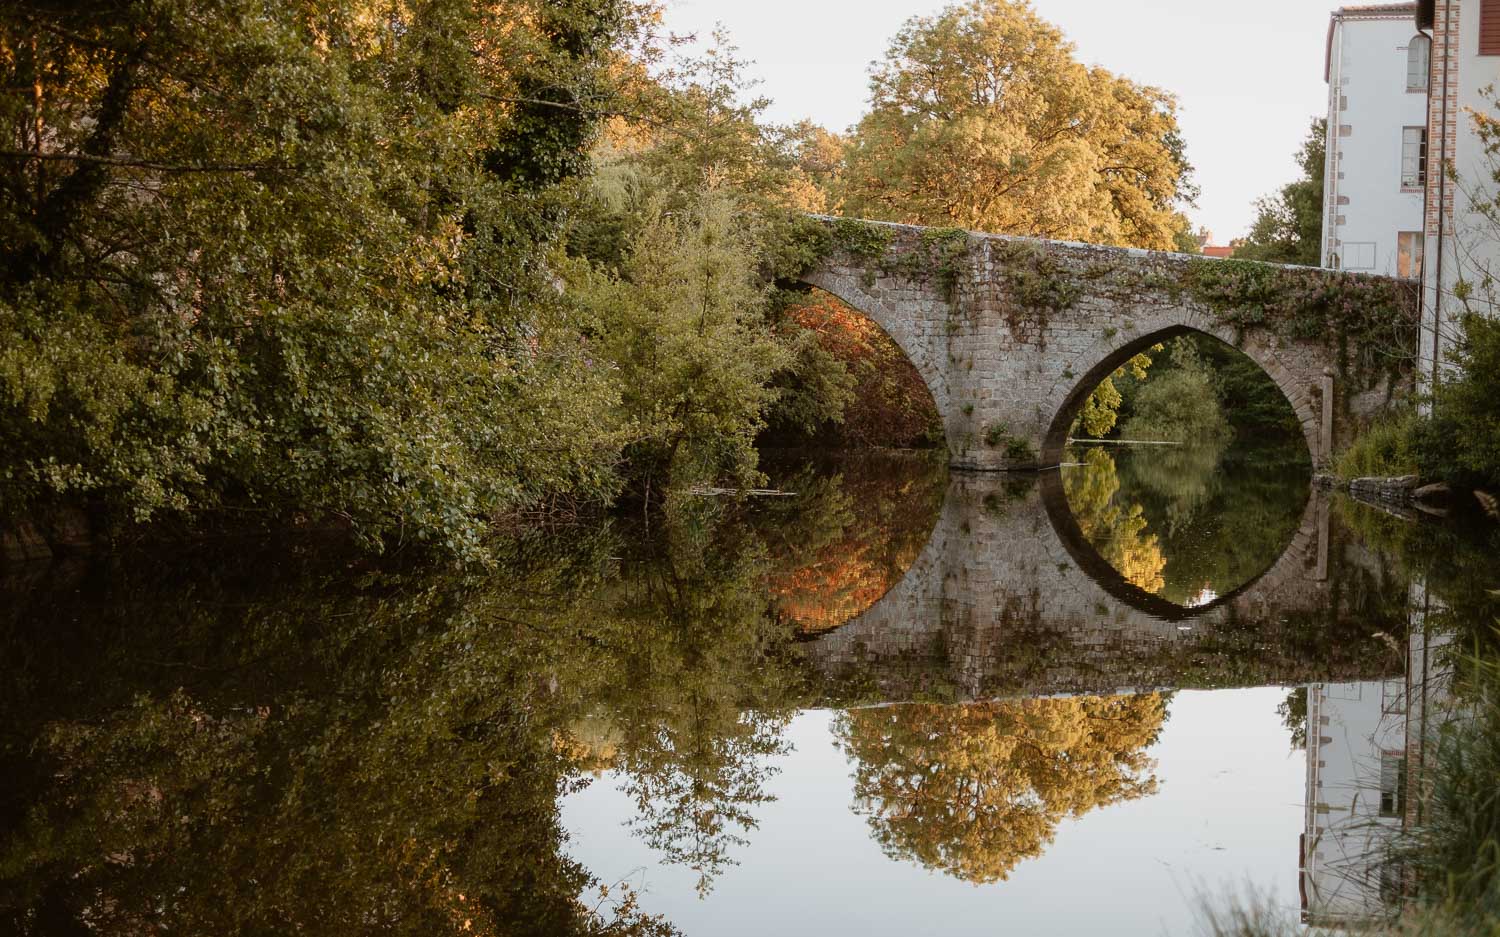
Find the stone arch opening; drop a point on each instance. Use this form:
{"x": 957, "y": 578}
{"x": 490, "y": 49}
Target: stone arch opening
{"x": 890, "y": 309}
{"x": 1110, "y": 352}
{"x": 893, "y": 404}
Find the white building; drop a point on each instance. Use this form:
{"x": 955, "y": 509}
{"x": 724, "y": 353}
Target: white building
{"x": 1376, "y": 68}
{"x": 1463, "y": 246}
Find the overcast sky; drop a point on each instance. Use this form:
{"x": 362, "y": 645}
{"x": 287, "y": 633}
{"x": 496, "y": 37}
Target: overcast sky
{"x": 1248, "y": 74}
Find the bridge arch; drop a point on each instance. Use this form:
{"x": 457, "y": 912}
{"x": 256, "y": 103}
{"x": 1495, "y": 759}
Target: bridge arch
{"x": 1010, "y": 334}
{"x": 1111, "y": 350}
{"x": 890, "y": 309}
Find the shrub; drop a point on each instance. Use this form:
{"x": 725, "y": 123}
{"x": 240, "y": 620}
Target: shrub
{"x": 1461, "y": 443}
{"x": 1387, "y": 447}
{"x": 1179, "y": 403}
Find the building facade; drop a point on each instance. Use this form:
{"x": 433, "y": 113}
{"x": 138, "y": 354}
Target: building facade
{"x": 1376, "y": 68}
{"x": 1462, "y": 235}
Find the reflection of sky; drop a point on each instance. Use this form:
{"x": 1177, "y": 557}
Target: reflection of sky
{"x": 1204, "y": 596}
{"x": 1227, "y": 815}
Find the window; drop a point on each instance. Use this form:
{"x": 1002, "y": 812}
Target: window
{"x": 1414, "y": 157}
{"x": 1392, "y": 784}
{"x": 1359, "y": 255}
{"x": 1418, "y": 52}
{"x": 1409, "y": 254}
{"x": 1489, "y": 27}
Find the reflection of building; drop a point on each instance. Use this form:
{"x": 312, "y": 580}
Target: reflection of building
{"x": 1376, "y": 69}
{"x": 1364, "y": 753}
{"x": 1356, "y": 743}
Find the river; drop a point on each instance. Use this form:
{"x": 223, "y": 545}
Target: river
{"x": 887, "y": 700}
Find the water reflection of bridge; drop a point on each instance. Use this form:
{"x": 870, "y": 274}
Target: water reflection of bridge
{"x": 1009, "y": 598}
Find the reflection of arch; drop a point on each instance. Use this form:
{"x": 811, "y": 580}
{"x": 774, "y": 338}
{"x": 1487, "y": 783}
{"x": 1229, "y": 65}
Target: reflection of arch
{"x": 1110, "y": 351}
{"x": 1088, "y": 560}
{"x": 916, "y": 601}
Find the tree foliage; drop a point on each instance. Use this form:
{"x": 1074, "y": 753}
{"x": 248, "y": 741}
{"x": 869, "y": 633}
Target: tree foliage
{"x": 980, "y": 117}
{"x": 682, "y": 325}
{"x": 1180, "y": 403}
{"x": 1102, "y": 408}
{"x": 288, "y": 260}
{"x": 881, "y": 398}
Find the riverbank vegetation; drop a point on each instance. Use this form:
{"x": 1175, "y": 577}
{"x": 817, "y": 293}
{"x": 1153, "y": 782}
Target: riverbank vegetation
{"x": 424, "y": 270}
{"x": 1456, "y": 436}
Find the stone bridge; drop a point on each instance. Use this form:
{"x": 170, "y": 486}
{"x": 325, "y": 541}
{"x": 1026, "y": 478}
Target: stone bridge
{"x": 1009, "y": 599}
{"x": 1011, "y": 335}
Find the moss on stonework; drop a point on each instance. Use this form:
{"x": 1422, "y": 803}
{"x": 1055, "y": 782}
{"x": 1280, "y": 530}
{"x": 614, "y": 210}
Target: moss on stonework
{"x": 1368, "y": 323}
{"x": 997, "y": 436}
{"x": 862, "y": 241}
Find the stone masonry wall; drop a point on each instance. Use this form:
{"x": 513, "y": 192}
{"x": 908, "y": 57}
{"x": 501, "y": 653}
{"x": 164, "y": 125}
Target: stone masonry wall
{"x": 1010, "y": 359}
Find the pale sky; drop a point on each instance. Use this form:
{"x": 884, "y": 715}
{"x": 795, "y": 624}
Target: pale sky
{"x": 1248, "y": 74}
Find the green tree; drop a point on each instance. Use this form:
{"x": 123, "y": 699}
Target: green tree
{"x": 682, "y": 324}
{"x": 980, "y": 117}
{"x": 1180, "y": 403}
{"x": 1288, "y": 226}
{"x": 693, "y": 124}
{"x": 1102, "y": 408}
{"x": 289, "y": 260}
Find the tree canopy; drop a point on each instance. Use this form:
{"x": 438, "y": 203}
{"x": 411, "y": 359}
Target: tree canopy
{"x": 981, "y": 117}
{"x": 289, "y": 259}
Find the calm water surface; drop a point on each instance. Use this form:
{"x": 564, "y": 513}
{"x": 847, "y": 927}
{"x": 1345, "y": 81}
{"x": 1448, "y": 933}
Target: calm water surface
{"x": 889, "y": 702}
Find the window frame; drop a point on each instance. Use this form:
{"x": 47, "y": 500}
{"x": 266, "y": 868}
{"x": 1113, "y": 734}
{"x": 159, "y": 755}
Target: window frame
{"x": 1488, "y": 38}
{"x": 1420, "y": 185}
{"x": 1415, "y": 252}
{"x": 1424, "y": 74}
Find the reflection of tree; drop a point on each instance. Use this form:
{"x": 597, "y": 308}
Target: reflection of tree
{"x": 1115, "y": 528}
{"x": 975, "y": 789}
{"x": 323, "y": 755}
{"x": 1218, "y": 517}
{"x": 1293, "y": 713}
{"x": 688, "y": 671}
{"x": 1224, "y": 515}
{"x": 1179, "y": 481}
{"x": 848, "y": 538}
